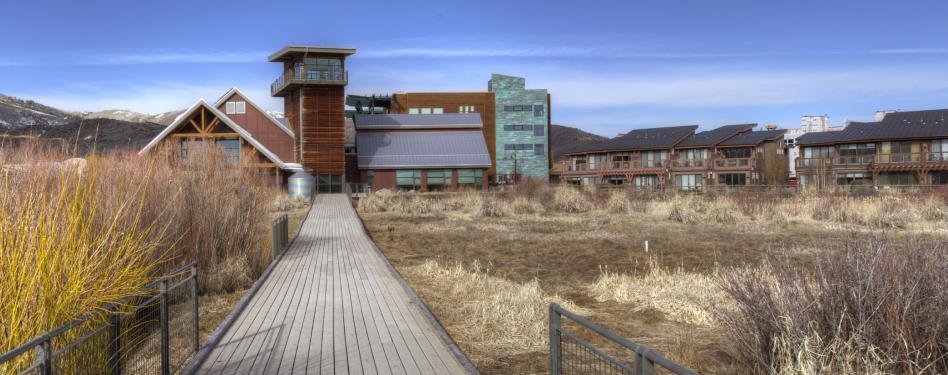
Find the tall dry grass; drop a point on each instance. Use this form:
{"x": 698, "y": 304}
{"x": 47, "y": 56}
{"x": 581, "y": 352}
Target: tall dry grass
{"x": 76, "y": 236}
{"x": 866, "y": 307}
{"x": 494, "y": 315}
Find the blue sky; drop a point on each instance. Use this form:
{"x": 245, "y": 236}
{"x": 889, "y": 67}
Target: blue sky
{"x": 610, "y": 66}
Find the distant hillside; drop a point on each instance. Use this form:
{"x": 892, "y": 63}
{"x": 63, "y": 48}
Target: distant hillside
{"x": 16, "y": 113}
{"x": 565, "y": 138}
{"x": 105, "y": 135}
{"x": 131, "y": 116}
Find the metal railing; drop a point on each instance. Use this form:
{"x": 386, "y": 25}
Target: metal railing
{"x": 898, "y": 158}
{"x": 733, "y": 163}
{"x": 280, "y": 233}
{"x": 570, "y": 354}
{"x": 308, "y": 72}
{"x": 155, "y": 331}
{"x": 853, "y": 159}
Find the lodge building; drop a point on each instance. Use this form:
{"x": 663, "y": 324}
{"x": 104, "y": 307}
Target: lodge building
{"x": 678, "y": 156}
{"x": 904, "y": 148}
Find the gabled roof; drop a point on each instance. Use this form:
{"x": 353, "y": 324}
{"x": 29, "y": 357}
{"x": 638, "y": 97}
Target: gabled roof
{"x": 641, "y": 139}
{"x": 422, "y": 149}
{"x": 753, "y": 138}
{"x": 285, "y": 126}
{"x": 714, "y": 136}
{"x": 416, "y": 121}
{"x": 245, "y": 135}
{"x": 894, "y": 126}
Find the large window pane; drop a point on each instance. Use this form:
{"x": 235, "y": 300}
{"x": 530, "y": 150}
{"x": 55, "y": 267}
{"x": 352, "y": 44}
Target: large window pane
{"x": 408, "y": 179}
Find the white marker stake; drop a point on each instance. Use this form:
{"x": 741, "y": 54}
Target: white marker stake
{"x": 646, "y": 246}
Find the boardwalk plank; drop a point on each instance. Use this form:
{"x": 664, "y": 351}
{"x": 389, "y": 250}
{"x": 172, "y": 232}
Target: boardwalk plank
{"x": 331, "y": 306}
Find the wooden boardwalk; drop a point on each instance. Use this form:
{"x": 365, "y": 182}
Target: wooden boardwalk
{"x": 332, "y": 306}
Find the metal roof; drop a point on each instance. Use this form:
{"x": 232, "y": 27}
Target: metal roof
{"x": 413, "y": 121}
{"x": 652, "y": 138}
{"x": 715, "y": 136}
{"x": 753, "y": 138}
{"x": 896, "y": 125}
{"x": 422, "y": 149}
{"x": 315, "y": 50}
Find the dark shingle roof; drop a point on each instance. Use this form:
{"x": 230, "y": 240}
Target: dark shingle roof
{"x": 412, "y": 121}
{"x": 714, "y": 136}
{"x": 753, "y": 138}
{"x": 422, "y": 149}
{"x": 642, "y": 139}
{"x": 897, "y": 125}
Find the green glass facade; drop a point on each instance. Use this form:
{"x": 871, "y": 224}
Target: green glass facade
{"x": 522, "y": 129}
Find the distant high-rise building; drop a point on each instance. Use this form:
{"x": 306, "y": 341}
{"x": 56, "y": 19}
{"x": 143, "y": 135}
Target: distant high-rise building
{"x": 810, "y": 123}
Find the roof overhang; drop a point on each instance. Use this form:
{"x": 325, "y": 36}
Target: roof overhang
{"x": 288, "y": 51}
{"x": 243, "y": 133}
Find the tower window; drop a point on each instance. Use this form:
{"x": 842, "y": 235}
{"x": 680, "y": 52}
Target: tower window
{"x": 235, "y": 107}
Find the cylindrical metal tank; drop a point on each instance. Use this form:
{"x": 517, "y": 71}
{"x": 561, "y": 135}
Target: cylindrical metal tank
{"x": 301, "y": 184}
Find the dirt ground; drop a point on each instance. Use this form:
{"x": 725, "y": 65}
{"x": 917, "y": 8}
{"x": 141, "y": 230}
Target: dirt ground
{"x": 567, "y": 253}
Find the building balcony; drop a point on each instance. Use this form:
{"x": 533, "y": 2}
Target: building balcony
{"x": 305, "y": 74}
{"x": 684, "y": 164}
{"x": 633, "y": 166}
{"x": 734, "y": 164}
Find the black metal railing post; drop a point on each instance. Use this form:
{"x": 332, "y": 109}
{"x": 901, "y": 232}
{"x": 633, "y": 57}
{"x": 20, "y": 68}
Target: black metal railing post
{"x": 555, "y": 325}
{"x": 46, "y": 355}
{"x": 115, "y": 343}
{"x": 194, "y": 308}
{"x": 165, "y": 332}
{"x": 643, "y": 366}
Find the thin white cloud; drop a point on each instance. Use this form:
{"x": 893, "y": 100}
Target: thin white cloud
{"x": 175, "y": 58}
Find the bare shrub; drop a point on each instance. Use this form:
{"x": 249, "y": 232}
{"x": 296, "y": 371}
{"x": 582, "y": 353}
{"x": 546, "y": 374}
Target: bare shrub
{"x": 866, "y": 307}
{"x": 233, "y": 273}
{"x": 525, "y": 206}
{"x": 618, "y": 202}
{"x": 493, "y": 208}
{"x": 286, "y": 202}
{"x": 374, "y": 203}
{"x": 570, "y": 200}
{"x": 695, "y": 210}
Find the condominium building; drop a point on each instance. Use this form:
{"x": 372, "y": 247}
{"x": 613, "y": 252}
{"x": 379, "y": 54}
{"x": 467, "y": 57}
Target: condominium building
{"x": 904, "y": 148}
{"x": 677, "y": 156}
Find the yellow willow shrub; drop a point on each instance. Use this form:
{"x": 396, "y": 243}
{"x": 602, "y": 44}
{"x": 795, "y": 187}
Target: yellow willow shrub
{"x": 62, "y": 254}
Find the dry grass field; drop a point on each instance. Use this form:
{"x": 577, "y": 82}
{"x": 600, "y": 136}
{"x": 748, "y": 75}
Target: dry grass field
{"x": 488, "y": 265}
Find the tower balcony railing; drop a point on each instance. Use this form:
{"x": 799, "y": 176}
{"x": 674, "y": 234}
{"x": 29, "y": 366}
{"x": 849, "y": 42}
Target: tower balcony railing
{"x": 309, "y": 73}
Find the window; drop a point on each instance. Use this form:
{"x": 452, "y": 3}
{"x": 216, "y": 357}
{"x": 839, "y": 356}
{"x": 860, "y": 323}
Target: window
{"x": 425, "y": 111}
{"x": 898, "y": 178}
{"x": 939, "y": 150}
{"x": 818, "y": 152}
{"x": 327, "y": 183}
{"x": 241, "y": 107}
{"x": 900, "y": 152}
{"x": 350, "y": 150}
{"x": 857, "y": 153}
{"x": 539, "y": 130}
{"x": 538, "y": 111}
{"x": 732, "y": 179}
{"x": 616, "y": 180}
{"x": 471, "y": 178}
{"x": 185, "y": 148}
{"x": 653, "y": 159}
{"x": 698, "y": 153}
{"x": 646, "y": 181}
{"x": 439, "y": 179}
{"x": 859, "y": 178}
{"x": 538, "y": 149}
{"x": 230, "y": 149}
{"x": 518, "y": 147}
{"x": 466, "y": 109}
{"x": 688, "y": 181}
{"x": 370, "y": 178}
{"x": 518, "y": 108}
{"x": 230, "y": 108}
{"x": 517, "y": 128}
{"x": 408, "y": 179}
{"x": 320, "y": 69}
{"x": 736, "y": 153}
